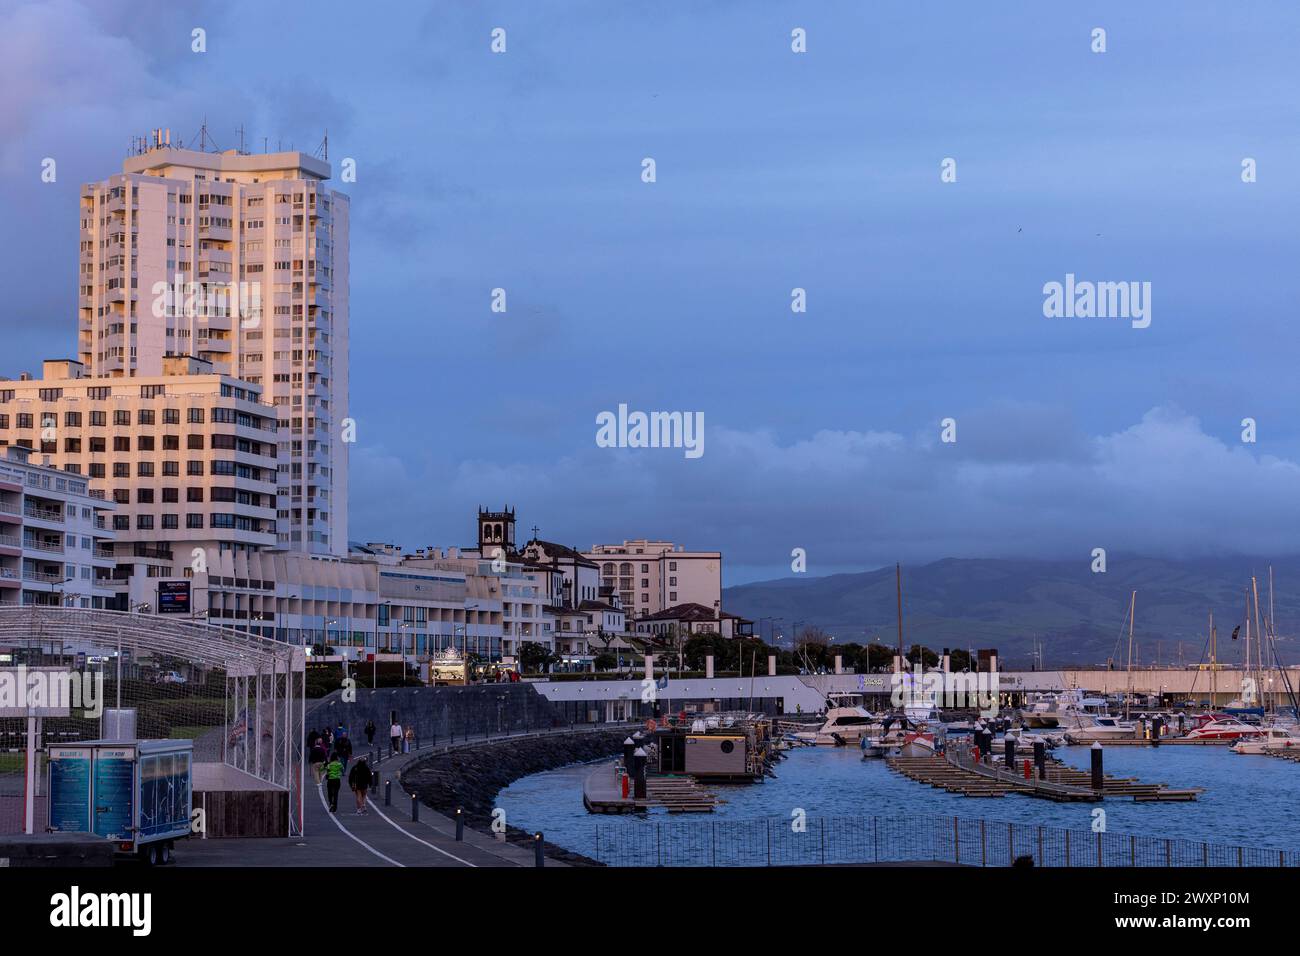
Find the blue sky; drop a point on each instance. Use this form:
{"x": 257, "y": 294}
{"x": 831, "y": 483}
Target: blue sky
{"x": 775, "y": 171}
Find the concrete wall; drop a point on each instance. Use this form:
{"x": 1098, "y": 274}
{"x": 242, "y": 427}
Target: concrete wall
{"x": 447, "y": 712}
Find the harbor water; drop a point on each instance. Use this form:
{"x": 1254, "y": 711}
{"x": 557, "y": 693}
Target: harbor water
{"x": 1248, "y": 800}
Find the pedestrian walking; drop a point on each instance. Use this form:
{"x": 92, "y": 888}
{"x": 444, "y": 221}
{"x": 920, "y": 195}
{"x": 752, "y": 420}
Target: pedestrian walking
{"x": 343, "y": 746}
{"x": 359, "y": 781}
{"x": 333, "y": 781}
{"x": 370, "y": 733}
{"x": 408, "y": 740}
{"x": 317, "y": 758}
{"x": 395, "y": 732}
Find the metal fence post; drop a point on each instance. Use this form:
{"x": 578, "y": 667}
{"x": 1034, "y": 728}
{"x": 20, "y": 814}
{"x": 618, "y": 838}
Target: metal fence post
{"x": 1067, "y": 848}
{"x": 984, "y": 846}
{"x": 659, "y": 845}
{"x": 1132, "y": 849}
{"x": 1099, "y": 848}
{"x": 1169, "y": 853}
{"x": 956, "y": 841}
{"x": 1011, "y": 845}
{"x": 769, "y": 842}
{"x": 1040, "y": 846}
{"x": 823, "y": 826}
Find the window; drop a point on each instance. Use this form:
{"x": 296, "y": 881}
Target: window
{"x": 171, "y": 442}
{"x": 193, "y": 494}
{"x": 144, "y": 443}
{"x": 121, "y": 469}
{"x": 97, "y": 443}
{"x": 24, "y": 419}
{"x": 170, "y": 522}
{"x": 72, "y": 419}
{"x": 99, "y": 419}
{"x": 194, "y": 442}
{"x": 122, "y": 496}
{"x": 121, "y": 417}
{"x": 144, "y": 496}
{"x": 97, "y": 470}
{"x": 121, "y": 523}
{"x": 171, "y": 416}
{"x": 170, "y": 495}
{"x": 121, "y": 444}
{"x": 144, "y": 522}
{"x": 193, "y": 521}
{"x": 144, "y": 469}
{"x": 194, "y": 468}
{"x": 195, "y": 416}
{"x": 171, "y": 469}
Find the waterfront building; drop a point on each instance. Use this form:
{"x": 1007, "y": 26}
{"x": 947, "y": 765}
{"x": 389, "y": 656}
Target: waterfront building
{"x": 56, "y": 537}
{"x": 240, "y": 260}
{"x": 688, "y": 620}
{"x": 188, "y": 457}
{"x": 651, "y": 576}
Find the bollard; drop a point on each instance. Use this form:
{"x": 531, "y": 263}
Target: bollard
{"x": 539, "y": 848}
{"x": 629, "y": 748}
{"x": 460, "y": 824}
{"x": 374, "y": 779}
{"x": 1040, "y": 759}
{"x": 639, "y": 762}
{"x": 1009, "y": 754}
{"x": 625, "y": 785}
{"x": 1028, "y": 775}
{"x": 1097, "y": 777}
{"x": 388, "y": 792}
{"x": 1157, "y": 725}
{"x": 415, "y": 809}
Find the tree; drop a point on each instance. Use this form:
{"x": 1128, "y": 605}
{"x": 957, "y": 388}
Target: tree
{"x": 536, "y": 658}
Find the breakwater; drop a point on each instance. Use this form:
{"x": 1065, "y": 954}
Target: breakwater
{"x": 471, "y": 777}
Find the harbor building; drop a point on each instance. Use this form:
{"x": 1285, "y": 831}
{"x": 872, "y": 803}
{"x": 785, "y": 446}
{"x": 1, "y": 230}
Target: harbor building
{"x": 689, "y": 620}
{"x": 242, "y": 261}
{"x": 651, "y": 576}
{"x": 188, "y": 458}
{"x": 56, "y": 536}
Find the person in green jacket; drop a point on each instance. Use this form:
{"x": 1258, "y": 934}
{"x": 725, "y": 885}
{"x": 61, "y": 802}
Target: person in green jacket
{"x": 333, "y": 780}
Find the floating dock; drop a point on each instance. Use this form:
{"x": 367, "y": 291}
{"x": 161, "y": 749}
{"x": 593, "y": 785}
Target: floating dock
{"x": 602, "y": 792}
{"x": 959, "y": 773}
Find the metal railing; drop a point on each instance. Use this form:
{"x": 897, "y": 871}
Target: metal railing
{"x": 817, "y": 841}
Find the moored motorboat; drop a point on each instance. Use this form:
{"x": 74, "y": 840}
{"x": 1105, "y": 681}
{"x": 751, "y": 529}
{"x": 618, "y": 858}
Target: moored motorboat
{"x": 1269, "y": 740}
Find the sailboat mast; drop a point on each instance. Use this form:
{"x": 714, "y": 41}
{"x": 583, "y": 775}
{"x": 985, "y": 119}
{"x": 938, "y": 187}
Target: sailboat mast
{"x": 1128, "y": 694}
{"x": 1259, "y": 640}
{"x": 1214, "y": 647}
{"x": 898, "y": 582}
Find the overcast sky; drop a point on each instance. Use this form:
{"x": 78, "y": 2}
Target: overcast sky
{"x": 775, "y": 170}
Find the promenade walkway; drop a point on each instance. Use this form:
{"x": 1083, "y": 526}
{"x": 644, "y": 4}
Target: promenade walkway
{"x": 386, "y": 836}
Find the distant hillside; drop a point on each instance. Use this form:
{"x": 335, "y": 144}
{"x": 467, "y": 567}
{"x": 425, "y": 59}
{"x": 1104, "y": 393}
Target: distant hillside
{"x": 1078, "y": 615}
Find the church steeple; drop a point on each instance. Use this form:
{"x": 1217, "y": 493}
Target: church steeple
{"x": 496, "y": 529}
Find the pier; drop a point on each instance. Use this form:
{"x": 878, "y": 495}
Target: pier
{"x": 602, "y": 792}
{"x": 959, "y": 772}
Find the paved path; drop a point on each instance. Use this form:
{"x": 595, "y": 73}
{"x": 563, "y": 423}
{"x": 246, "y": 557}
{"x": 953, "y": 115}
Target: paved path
{"x": 385, "y": 836}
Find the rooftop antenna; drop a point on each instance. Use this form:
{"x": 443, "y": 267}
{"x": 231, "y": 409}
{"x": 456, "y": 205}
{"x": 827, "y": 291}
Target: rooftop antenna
{"x": 242, "y": 152}
{"x": 203, "y": 136}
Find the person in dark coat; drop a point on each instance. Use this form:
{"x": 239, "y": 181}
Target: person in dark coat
{"x": 370, "y": 733}
{"x": 359, "y": 780}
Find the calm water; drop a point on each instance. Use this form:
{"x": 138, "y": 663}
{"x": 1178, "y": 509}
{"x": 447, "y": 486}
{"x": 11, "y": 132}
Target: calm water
{"x": 1250, "y": 801}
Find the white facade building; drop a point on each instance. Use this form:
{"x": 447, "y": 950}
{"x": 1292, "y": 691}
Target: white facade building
{"x": 55, "y": 537}
{"x": 651, "y": 576}
{"x": 241, "y": 260}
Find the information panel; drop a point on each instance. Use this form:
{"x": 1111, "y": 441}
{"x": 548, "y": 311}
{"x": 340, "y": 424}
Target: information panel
{"x": 69, "y": 789}
{"x": 114, "y": 785}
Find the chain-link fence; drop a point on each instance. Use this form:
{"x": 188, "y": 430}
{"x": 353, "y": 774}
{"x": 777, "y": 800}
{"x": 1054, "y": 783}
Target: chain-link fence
{"x": 814, "y": 841}
{"x": 238, "y": 697}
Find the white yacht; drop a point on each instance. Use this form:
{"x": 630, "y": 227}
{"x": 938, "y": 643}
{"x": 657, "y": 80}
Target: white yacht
{"x": 1271, "y": 739}
{"x": 1087, "y": 728}
{"x": 847, "y": 722}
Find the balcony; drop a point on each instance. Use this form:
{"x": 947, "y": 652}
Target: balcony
{"x": 43, "y": 514}
{"x": 43, "y": 577}
{"x": 50, "y": 547}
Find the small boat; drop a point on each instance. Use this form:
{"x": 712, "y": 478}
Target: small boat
{"x": 1089, "y": 729}
{"x": 1227, "y": 728}
{"x": 847, "y": 722}
{"x": 1271, "y": 739}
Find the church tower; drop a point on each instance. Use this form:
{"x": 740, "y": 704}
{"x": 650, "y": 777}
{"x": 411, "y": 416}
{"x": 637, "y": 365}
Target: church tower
{"x": 496, "y": 529}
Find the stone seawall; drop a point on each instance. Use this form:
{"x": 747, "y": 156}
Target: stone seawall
{"x": 438, "y": 714}
{"x": 471, "y": 777}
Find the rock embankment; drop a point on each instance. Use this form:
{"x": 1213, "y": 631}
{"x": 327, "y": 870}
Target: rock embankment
{"x": 471, "y": 777}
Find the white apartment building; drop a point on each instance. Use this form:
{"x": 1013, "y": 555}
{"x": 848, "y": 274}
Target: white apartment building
{"x": 188, "y": 459}
{"x": 241, "y": 260}
{"x": 55, "y": 537}
{"x": 651, "y": 576}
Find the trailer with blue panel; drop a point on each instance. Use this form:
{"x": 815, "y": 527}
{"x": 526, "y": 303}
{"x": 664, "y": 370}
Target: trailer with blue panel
{"x": 136, "y": 793}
